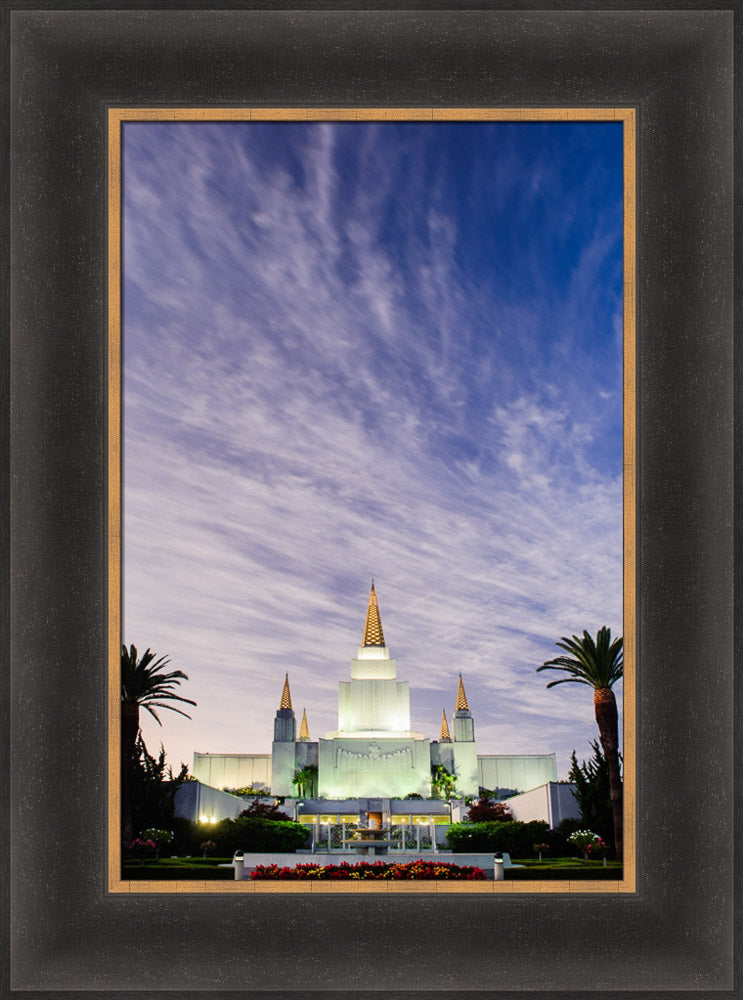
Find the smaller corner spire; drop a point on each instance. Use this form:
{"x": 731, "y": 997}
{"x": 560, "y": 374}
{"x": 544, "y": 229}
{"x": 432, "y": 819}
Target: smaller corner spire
{"x": 461, "y": 698}
{"x": 304, "y": 729}
{"x": 286, "y": 695}
{"x": 444, "y": 735}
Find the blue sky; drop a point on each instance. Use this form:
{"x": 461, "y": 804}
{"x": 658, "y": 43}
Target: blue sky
{"x": 372, "y": 349}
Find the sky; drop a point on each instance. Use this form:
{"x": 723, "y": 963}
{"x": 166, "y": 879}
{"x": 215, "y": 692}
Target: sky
{"x": 357, "y": 350}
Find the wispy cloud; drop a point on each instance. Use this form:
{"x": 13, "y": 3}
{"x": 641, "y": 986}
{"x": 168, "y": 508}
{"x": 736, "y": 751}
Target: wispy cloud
{"x": 348, "y": 354}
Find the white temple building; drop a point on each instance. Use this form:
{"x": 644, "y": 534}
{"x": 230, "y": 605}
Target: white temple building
{"x": 374, "y": 753}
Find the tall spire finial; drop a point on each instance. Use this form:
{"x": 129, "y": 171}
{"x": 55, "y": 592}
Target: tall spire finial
{"x": 461, "y": 697}
{"x": 373, "y": 635}
{"x": 286, "y": 695}
{"x": 304, "y": 729}
{"x": 444, "y": 735}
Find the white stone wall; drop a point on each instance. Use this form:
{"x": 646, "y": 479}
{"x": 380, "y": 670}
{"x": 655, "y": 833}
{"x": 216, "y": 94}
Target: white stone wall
{"x": 232, "y": 770}
{"x": 284, "y": 765}
{"x": 465, "y": 768}
{"x": 519, "y": 772}
{"x": 552, "y": 802}
{"x": 375, "y": 767}
{"x": 373, "y": 705}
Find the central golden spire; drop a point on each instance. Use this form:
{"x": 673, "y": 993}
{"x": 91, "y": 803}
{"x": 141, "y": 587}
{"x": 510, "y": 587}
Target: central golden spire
{"x": 286, "y": 695}
{"x": 461, "y": 697}
{"x": 373, "y": 634}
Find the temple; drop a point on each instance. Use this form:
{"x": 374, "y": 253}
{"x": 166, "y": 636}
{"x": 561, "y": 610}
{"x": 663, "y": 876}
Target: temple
{"x": 374, "y": 753}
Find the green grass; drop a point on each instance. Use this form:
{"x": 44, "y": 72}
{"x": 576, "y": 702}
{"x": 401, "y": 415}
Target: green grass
{"x": 177, "y": 869}
{"x": 563, "y": 868}
{"x": 564, "y": 863}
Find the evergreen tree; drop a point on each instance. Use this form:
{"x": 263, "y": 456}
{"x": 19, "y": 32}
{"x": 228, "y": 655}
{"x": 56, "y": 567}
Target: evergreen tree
{"x": 592, "y": 792}
{"x": 154, "y": 788}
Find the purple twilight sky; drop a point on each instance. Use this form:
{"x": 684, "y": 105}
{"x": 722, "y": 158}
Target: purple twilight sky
{"x": 357, "y": 350}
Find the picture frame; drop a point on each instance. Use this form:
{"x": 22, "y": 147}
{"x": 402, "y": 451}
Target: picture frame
{"x": 67, "y": 933}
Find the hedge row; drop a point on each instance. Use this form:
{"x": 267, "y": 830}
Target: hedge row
{"x": 245, "y": 833}
{"x": 513, "y": 837}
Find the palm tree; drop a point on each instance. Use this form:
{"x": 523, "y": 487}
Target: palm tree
{"x": 304, "y": 779}
{"x": 600, "y": 665}
{"x": 442, "y": 782}
{"x": 144, "y": 684}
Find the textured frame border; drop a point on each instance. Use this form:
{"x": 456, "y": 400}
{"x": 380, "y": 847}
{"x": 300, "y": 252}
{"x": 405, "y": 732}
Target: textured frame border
{"x": 676, "y": 933}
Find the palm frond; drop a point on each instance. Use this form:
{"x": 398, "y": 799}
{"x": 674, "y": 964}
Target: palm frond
{"x": 598, "y": 663}
{"x": 569, "y": 680}
{"x": 145, "y": 684}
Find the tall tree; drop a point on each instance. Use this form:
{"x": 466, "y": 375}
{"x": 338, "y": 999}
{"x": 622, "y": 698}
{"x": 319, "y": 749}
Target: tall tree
{"x": 153, "y": 788}
{"x": 144, "y": 684}
{"x": 591, "y": 780}
{"x": 598, "y": 664}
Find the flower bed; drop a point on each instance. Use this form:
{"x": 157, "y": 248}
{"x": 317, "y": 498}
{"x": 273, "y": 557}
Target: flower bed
{"x": 365, "y": 870}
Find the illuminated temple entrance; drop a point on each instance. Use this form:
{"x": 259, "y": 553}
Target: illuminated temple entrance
{"x": 377, "y": 827}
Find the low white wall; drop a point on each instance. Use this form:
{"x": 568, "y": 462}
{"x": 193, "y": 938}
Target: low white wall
{"x": 194, "y": 800}
{"x": 552, "y": 802}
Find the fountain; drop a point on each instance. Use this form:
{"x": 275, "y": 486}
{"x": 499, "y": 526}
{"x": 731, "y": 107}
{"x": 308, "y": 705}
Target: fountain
{"x": 370, "y": 839}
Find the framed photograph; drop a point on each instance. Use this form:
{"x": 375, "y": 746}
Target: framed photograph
{"x": 431, "y": 357}
{"x": 104, "y": 92}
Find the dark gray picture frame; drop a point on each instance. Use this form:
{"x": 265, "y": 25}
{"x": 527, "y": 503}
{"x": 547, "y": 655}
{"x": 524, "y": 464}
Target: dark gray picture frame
{"x": 65, "y": 68}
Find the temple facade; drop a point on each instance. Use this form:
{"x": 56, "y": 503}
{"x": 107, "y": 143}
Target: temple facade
{"x": 374, "y": 753}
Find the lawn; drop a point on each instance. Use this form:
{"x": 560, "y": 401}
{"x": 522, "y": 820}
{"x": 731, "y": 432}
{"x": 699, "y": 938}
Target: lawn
{"x": 563, "y": 869}
{"x": 179, "y": 869}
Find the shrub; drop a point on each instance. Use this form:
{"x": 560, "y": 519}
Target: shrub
{"x": 160, "y": 838}
{"x": 512, "y": 836}
{"x": 245, "y": 792}
{"x": 485, "y": 810}
{"x": 246, "y": 833}
{"x": 561, "y": 834}
{"x": 187, "y": 836}
{"x": 265, "y": 810}
{"x": 582, "y": 840}
{"x": 141, "y": 849}
{"x": 253, "y": 834}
